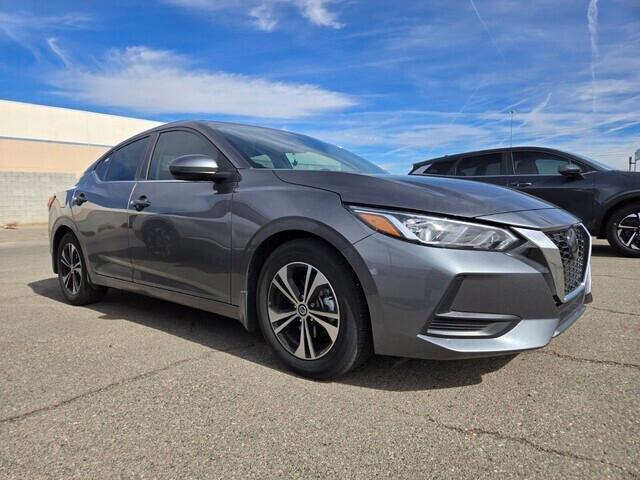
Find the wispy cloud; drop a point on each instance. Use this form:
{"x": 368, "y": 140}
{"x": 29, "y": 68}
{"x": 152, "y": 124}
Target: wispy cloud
{"x": 592, "y": 21}
{"x": 27, "y": 29}
{"x": 58, "y": 51}
{"x": 486, "y": 29}
{"x": 267, "y": 15}
{"x": 152, "y": 81}
{"x": 264, "y": 17}
{"x": 318, "y": 13}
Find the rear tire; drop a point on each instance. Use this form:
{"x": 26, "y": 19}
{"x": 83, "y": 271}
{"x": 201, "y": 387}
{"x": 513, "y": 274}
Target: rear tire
{"x": 72, "y": 273}
{"x": 623, "y": 230}
{"x": 311, "y": 310}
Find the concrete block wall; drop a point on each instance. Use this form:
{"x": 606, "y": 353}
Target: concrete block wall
{"x": 23, "y": 195}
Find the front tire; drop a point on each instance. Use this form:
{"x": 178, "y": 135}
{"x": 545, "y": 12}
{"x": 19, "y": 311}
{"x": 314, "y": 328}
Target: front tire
{"x": 72, "y": 273}
{"x": 311, "y": 310}
{"x": 623, "y": 230}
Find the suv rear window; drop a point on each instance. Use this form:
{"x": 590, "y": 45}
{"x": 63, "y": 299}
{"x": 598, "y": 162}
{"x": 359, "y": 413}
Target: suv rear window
{"x": 480, "y": 165}
{"x": 440, "y": 168}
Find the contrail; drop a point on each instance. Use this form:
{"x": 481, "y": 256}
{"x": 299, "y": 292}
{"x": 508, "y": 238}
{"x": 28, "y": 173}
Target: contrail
{"x": 486, "y": 29}
{"x": 592, "y": 19}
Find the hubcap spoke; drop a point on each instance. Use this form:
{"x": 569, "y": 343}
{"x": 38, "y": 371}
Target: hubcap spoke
{"x": 318, "y": 281}
{"x": 332, "y": 330}
{"x": 284, "y": 325}
{"x": 301, "y": 351}
{"x": 64, "y": 261}
{"x": 305, "y": 291}
{"x": 631, "y": 239}
{"x": 66, "y": 278}
{"x": 277, "y": 316}
{"x": 325, "y": 314}
{"x": 285, "y": 286}
{"x": 307, "y": 334}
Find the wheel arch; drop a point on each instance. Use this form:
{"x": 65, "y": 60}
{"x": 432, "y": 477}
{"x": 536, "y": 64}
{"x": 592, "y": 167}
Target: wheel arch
{"x": 612, "y": 206}
{"x": 62, "y": 227}
{"x": 271, "y": 237}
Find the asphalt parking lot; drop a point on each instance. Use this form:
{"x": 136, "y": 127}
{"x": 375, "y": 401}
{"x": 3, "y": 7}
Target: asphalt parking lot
{"x": 136, "y": 387}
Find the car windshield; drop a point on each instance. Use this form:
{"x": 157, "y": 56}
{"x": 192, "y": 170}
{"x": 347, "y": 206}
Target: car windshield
{"x": 277, "y": 149}
{"x": 595, "y": 163}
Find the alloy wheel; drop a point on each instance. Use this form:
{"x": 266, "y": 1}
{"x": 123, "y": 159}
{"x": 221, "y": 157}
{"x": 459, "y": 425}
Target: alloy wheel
{"x": 628, "y": 231}
{"x": 303, "y": 311}
{"x": 71, "y": 268}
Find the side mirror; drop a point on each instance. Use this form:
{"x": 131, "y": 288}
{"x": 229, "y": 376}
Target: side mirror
{"x": 195, "y": 167}
{"x": 570, "y": 170}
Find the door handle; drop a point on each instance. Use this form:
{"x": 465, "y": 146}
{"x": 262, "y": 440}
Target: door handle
{"x": 80, "y": 199}
{"x": 141, "y": 203}
{"x": 520, "y": 184}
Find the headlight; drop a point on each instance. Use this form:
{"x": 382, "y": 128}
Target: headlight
{"x": 437, "y": 231}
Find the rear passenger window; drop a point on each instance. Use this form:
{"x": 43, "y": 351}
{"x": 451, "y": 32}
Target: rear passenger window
{"x": 481, "y": 165}
{"x": 103, "y": 168}
{"x": 440, "y": 168}
{"x": 122, "y": 164}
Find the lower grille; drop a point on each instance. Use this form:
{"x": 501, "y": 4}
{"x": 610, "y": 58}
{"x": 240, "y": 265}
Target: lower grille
{"x": 573, "y": 244}
{"x": 470, "y": 325}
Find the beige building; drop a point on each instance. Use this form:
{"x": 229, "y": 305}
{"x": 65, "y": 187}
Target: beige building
{"x": 44, "y": 149}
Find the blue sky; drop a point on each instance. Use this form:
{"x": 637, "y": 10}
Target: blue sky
{"x": 394, "y": 81}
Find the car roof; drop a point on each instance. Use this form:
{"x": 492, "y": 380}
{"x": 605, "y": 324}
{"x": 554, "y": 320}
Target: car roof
{"x": 457, "y": 156}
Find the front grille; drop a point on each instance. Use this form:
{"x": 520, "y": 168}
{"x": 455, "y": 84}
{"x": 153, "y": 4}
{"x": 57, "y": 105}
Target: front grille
{"x": 573, "y": 245}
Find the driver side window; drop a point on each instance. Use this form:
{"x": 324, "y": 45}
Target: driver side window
{"x": 537, "y": 163}
{"x": 172, "y": 145}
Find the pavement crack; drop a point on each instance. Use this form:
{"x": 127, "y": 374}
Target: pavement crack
{"x": 521, "y": 440}
{"x": 609, "y": 310}
{"x": 119, "y": 383}
{"x": 586, "y": 360}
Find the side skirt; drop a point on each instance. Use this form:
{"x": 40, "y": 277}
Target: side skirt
{"x": 219, "y": 308}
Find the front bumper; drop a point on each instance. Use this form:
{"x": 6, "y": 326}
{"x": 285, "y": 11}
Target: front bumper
{"x": 424, "y": 301}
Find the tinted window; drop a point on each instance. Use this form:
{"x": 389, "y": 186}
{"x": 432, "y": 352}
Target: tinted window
{"x": 103, "y": 168}
{"x": 480, "y": 165}
{"x": 122, "y": 164}
{"x": 172, "y": 145}
{"x": 537, "y": 163}
{"x": 440, "y": 168}
{"x": 268, "y": 148}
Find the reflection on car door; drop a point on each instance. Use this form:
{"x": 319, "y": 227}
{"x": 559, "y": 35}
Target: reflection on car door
{"x": 181, "y": 230}
{"x": 536, "y": 173}
{"x": 100, "y": 209}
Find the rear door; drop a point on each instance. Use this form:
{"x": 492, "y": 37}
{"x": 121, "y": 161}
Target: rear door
{"x": 181, "y": 240}
{"x": 485, "y": 167}
{"x": 100, "y": 209}
{"x": 536, "y": 172}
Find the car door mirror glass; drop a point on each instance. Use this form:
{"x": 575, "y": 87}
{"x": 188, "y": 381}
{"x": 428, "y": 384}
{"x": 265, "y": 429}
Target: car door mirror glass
{"x": 194, "y": 167}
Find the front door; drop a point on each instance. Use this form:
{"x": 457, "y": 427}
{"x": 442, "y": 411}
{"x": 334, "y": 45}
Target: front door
{"x": 181, "y": 230}
{"x": 536, "y": 173}
{"x": 100, "y": 209}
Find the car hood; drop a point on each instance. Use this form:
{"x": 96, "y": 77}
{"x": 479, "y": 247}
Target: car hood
{"x": 445, "y": 196}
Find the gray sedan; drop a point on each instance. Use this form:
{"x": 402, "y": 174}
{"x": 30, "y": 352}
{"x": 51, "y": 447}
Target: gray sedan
{"x": 329, "y": 256}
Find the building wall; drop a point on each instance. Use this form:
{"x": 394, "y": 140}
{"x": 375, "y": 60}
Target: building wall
{"x": 44, "y": 149}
